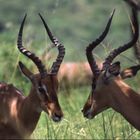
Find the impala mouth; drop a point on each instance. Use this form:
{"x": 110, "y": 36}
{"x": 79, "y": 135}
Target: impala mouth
{"x": 56, "y": 118}
{"x": 88, "y": 111}
{"x": 55, "y": 115}
{"x": 88, "y": 114}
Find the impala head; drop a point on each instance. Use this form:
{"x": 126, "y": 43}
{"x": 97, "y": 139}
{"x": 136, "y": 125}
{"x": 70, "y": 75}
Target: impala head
{"x": 107, "y": 82}
{"x": 44, "y": 84}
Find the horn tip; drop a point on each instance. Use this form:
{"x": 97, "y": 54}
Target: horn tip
{"x": 25, "y": 15}
{"x": 112, "y": 13}
{"x": 20, "y": 64}
{"x": 39, "y": 14}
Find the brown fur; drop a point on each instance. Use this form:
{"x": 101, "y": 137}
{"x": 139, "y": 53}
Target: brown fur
{"x": 74, "y": 74}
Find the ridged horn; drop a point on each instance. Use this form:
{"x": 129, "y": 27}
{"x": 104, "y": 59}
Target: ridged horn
{"x": 123, "y": 48}
{"x": 56, "y": 65}
{"x": 89, "y": 49}
{"x": 27, "y": 53}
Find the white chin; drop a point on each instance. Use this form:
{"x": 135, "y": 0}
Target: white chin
{"x": 89, "y": 116}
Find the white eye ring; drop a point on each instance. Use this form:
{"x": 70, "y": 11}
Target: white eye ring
{"x": 43, "y": 87}
{"x": 107, "y": 74}
{"x": 41, "y": 90}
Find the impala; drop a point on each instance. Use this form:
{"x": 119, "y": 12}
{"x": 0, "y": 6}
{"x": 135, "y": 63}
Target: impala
{"x": 74, "y": 74}
{"x": 108, "y": 88}
{"x": 19, "y": 114}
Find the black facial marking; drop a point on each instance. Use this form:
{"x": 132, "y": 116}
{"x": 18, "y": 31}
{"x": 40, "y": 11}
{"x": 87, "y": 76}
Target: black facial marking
{"x": 41, "y": 89}
{"x": 93, "y": 83}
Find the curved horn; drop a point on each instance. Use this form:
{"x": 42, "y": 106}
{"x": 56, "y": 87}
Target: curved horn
{"x": 134, "y": 3}
{"x": 123, "y": 48}
{"x": 56, "y": 65}
{"x": 27, "y": 53}
{"x": 91, "y": 46}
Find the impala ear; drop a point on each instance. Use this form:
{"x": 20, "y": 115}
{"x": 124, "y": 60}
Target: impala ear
{"x": 25, "y": 71}
{"x": 114, "y": 69}
{"x": 130, "y": 72}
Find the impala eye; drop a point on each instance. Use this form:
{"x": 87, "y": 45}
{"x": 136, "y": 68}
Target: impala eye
{"x": 43, "y": 93}
{"x": 41, "y": 90}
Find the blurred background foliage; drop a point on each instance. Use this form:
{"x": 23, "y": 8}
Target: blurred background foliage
{"x": 75, "y": 23}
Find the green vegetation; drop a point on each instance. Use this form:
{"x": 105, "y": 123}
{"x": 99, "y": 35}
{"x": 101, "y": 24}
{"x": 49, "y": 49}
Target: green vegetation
{"x": 76, "y": 23}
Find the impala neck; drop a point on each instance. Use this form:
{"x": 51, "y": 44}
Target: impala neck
{"x": 30, "y": 112}
{"x": 127, "y": 102}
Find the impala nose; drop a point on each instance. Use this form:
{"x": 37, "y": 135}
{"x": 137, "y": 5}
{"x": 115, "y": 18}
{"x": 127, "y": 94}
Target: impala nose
{"x": 57, "y": 117}
{"x": 88, "y": 115}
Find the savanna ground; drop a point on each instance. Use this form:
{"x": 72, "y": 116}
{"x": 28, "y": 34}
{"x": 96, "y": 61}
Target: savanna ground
{"x": 76, "y": 23}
